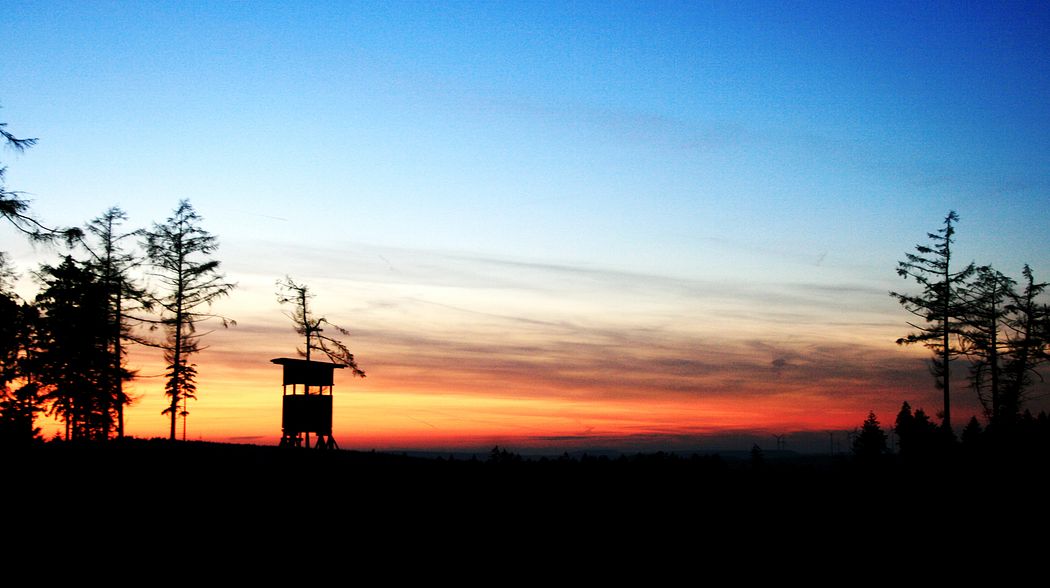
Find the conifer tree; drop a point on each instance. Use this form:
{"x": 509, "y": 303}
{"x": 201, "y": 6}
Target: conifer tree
{"x": 179, "y": 251}
{"x": 1027, "y": 329}
{"x": 871, "y": 442}
{"x": 112, "y": 264}
{"x": 971, "y": 435}
{"x": 938, "y": 306}
{"x": 72, "y": 362}
{"x": 19, "y": 393}
{"x": 312, "y": 327}
{"x": 984, "y": 303}
{"x": 1004, "y": 335}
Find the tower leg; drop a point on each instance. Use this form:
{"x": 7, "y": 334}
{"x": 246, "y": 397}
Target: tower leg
{"x": 326, "y": 442}
{"x": 291, "y": 440}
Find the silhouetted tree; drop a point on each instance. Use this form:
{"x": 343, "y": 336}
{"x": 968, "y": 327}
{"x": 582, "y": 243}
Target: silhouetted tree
{"x": 179, "y": 252}
{"x": 502, "y": 456}
{"x": 19, "y": 395}
{"x": 112, "y": 265}
{"x": 1005, "y": 336}
{"x": 9, "y": 322}
{"x": 72, "y": 363}
{"x": 15, "y": 209}
{"x": 971, "y": 435}
{"x": 18, "y": 410}
{"x": 904, "y": 426}
{"x": 1027, "y": 330}
{"x": 311, "y": 327}
{"x": 939, "y": 304}
{"x": 916, "y": 434}
{"x": 985, "y": 310}
{"x": 871, "y": 442}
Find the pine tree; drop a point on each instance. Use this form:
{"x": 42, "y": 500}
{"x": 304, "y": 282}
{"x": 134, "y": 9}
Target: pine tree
{"x": 971, "y": 435}
{"x": 19, "y": 394}
{"x": 9, "y": 323}
{"x": 312, "y": 327}
{"x": 179, "y": 252}
{"x": 871, "y": 442}
{"x": 1027, "y": 330}
{"x": 113, "y": 264}
{"x": 904, "y": 427}
{"x": 916, "y": 435}
{"x": 938, "y": 306}
{"x": 984, "y": 302}
{"x": 72, "y": 363}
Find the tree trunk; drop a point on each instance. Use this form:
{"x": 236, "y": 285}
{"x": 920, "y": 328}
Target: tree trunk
{"x": 176, "y": 372}
{"x": 118, "y": 351}
{"x": 946, "y": 357}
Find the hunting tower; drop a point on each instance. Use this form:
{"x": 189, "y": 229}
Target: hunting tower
{"x": 308, "y": 409}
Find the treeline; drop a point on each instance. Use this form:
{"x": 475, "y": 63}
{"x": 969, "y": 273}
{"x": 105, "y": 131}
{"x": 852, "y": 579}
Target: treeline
{"x": 1000, "y": 327}
{"x": 64, "y": 351}
{"x": 997, "y": 325}
{"x": 919, "y": 439}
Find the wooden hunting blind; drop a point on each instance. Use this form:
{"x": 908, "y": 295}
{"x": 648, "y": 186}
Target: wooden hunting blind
{"x": 307, "y": 409}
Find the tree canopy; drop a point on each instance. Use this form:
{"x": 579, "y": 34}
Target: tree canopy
{"x": 939, "y": 304}
{"x": 15, "y": 208}
{"x": 312, "y": 327}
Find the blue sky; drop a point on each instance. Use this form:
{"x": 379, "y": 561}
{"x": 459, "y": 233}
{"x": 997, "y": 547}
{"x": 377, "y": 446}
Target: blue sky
{"x": 541, "y": 129}
{"x": 771, "y": 149}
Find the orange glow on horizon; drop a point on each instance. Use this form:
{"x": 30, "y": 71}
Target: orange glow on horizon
{"x": 382, "y": 412}
{"x": 455, "y": 378}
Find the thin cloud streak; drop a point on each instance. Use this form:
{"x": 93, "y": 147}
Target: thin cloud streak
{"x": 557, "y": 349}
{"x": 506, "y": 328}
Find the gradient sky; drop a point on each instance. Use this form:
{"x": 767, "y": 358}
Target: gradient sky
{"x": 548, "y": 224}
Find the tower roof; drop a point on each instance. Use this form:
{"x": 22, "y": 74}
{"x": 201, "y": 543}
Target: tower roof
{"x": 307, "y": 373}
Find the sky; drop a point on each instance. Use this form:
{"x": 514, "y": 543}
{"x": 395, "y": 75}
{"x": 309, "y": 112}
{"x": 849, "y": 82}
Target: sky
{"x": 547, "y": 225}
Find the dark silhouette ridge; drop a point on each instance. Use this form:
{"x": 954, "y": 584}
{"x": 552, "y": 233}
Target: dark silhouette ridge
{"x": 665, "y": 503}
{"x": 664, "y": 491}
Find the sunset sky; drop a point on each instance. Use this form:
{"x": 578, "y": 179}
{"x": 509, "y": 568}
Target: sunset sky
{"x": 547, "y": 225}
